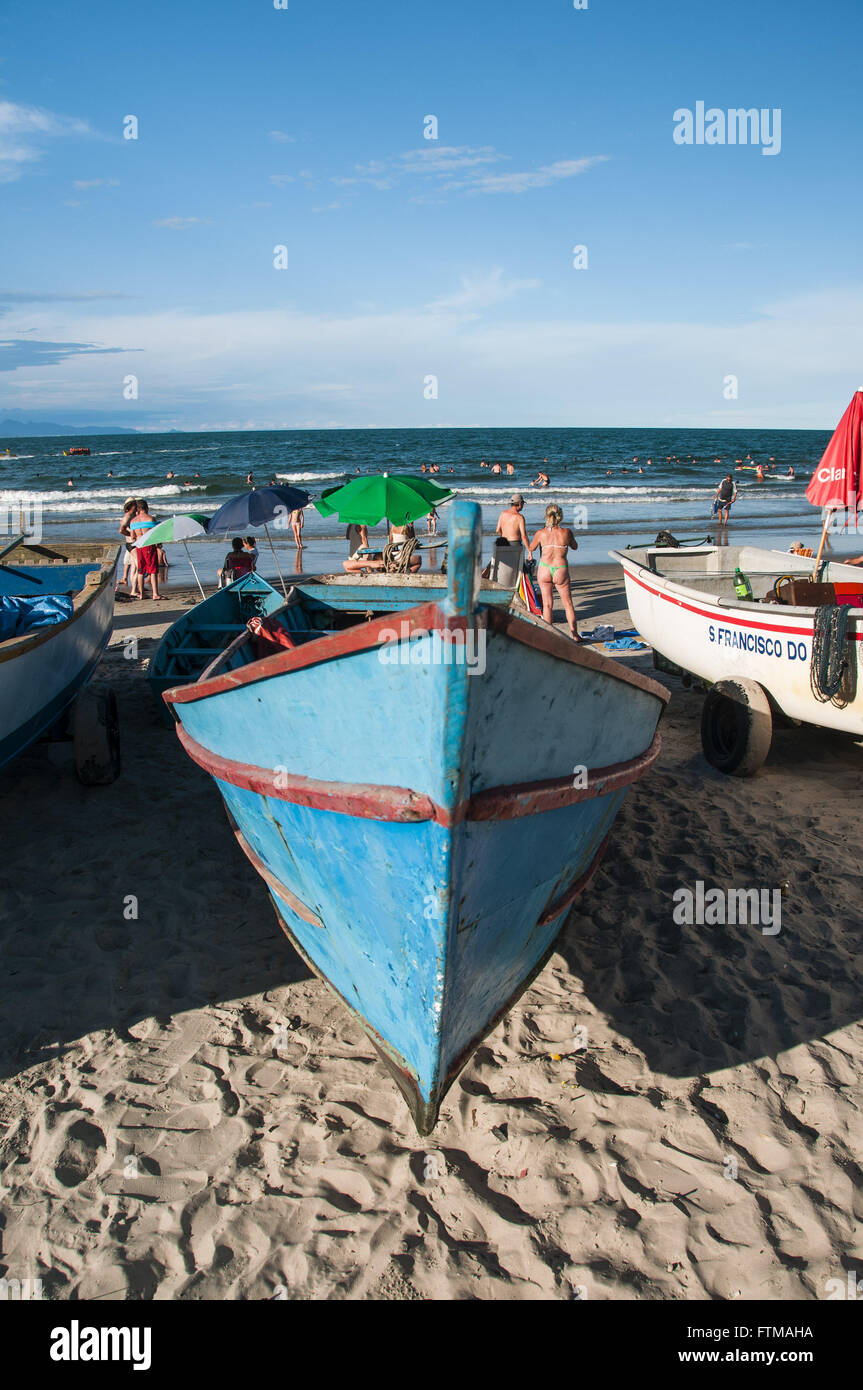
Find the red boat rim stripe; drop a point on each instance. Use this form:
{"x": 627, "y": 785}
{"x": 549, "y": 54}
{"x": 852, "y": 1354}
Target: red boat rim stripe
{"x": 329, "y": 647}
{"x": 280, "y": 889}
{"x": 401, "y": 804}
{"x": 575, "y": 889}
{"x": 428, "y": 617}
{"x": 723, "y": 617}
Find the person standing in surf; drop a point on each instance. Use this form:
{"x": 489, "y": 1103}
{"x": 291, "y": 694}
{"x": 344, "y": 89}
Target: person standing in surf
{"x": 724, "y": 498}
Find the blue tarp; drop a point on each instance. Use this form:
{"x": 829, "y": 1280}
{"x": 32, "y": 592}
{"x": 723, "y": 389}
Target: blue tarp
{"x": 20, "y": 615}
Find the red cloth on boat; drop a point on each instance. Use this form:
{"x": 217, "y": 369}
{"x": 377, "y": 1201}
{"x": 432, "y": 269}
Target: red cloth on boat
{"x": 270, "y": 636}
{"x": 148, "y": 559}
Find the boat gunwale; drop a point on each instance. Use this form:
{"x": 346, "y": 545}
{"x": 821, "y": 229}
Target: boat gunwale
{"x": 671, "y": 591}
{"x": 428, "y": 617}
{"x": 400, "y": 804}
{"x": 14, "y": 647}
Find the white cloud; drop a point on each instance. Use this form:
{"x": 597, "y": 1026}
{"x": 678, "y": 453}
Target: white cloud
{"x": 95, "y": 183}
{"x": 442, "y": 159}
{"x": 179, "y": 224}
{"x": 282, "y": 138}
{"x": 23, "y": 132}
{"x": 791, "y": 358}
{"x": 436, "y": 165}
{"x": 481, "y": 293}
{"x": 279, "y": 180}
{"x": 528, "y": 178}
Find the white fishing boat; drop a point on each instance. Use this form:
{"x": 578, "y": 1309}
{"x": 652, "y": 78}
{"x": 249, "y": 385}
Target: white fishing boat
{"x": 58, "y": 605}
{"x": 789, "y": 648}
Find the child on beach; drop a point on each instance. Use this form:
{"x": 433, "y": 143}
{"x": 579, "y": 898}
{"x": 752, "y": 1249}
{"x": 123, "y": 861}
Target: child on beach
{"x": 250, "y": 549}
{"x": 130, "y": 558}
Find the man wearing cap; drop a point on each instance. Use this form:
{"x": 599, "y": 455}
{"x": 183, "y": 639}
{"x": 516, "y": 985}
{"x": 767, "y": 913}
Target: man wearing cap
{"x": 511, "y": 538}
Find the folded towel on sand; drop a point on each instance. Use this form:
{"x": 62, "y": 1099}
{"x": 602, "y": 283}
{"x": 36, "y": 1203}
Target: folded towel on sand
{"x": 600, "y": 633}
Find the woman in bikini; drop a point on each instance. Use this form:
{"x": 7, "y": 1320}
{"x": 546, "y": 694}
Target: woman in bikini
{"x": 552, "y": 570}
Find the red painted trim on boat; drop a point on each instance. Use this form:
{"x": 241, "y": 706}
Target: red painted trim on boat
{"x": 428, "y": 617}
{"x": 281, "y": 891}
{"x": 533, "y": 798}
{"x": 722, "y": 616}
{"x": 559, "y": 905}
{"x": 401, "y": 804}
{"x": 349, "y": 798}
{"x": 327, "y": 648}
{"x": 537, "y": 634}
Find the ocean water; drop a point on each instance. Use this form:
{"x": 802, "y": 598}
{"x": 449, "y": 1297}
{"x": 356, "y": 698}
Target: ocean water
{"x": 596, "y": 477}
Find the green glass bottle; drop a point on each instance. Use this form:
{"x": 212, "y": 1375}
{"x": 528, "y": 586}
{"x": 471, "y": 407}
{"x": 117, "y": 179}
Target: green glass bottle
{"x": 742, "y": 587}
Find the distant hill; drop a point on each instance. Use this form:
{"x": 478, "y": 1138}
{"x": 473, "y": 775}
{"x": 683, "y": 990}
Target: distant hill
{"x": 10, "y": 428}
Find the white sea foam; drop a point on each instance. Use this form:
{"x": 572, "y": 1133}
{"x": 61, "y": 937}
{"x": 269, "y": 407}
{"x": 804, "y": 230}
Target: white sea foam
{"x": 306, "y": 477}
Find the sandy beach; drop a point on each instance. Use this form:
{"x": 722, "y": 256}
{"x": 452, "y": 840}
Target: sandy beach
{"x": 669, "y": 1113}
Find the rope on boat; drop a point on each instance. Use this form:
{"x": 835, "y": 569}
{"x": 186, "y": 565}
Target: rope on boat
{"x": 830, "y": 665}
{"x": 397, "y": 555}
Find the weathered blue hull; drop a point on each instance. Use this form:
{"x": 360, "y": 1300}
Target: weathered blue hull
{"x": 41, "y": 673}
{"x": 425, "y": 799}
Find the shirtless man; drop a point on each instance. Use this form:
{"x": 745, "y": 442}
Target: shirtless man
{"x": 510, "y": 524}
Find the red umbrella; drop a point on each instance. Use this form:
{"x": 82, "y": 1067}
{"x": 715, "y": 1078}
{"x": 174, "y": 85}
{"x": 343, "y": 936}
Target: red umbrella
{"x": 835, "y": 484}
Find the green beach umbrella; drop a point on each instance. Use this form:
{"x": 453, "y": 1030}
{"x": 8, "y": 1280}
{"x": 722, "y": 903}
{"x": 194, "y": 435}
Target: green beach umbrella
{"x": 178, "y": 528}
{"x": 397, "y": 496}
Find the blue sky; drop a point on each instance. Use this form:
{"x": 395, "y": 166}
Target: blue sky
{"x": 409, "y": 257}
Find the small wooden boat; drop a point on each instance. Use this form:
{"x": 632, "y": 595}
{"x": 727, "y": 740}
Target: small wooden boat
{"x": 392, "y": 592}
{"x": 424, "y": 793}
{"x": 43, "y": 671}
{"x": 195, "y": 639}
{"x": 762, "y": 656}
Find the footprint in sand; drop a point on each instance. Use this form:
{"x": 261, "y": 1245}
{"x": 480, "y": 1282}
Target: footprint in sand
{"x": 78, "y": 1159}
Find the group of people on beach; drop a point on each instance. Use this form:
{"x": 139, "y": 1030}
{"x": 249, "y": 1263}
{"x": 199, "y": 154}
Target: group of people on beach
{"x": 140, "y": 562}
{"x": 553, "y": 540}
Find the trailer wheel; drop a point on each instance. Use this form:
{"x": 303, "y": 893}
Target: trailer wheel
{"x": 96, "y": 732}
{"x": 736, "y": 727}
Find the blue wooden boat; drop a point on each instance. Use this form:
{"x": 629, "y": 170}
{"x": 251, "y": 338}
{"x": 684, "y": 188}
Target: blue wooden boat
{"x": 191, "y": 643}
{"x": 392, "y": 592}
{"x": 44, "y": 670}
{"x": 425, "y": 794}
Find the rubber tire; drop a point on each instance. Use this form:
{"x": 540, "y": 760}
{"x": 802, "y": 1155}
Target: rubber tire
{"x": 736, "y": 726}
{"x": 96, "y": 734}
